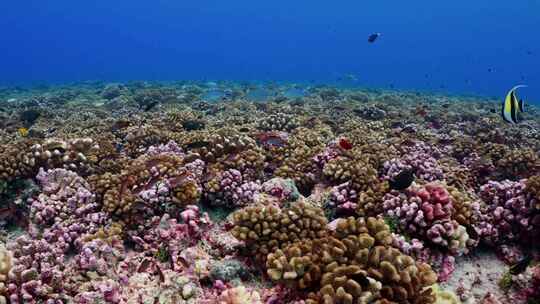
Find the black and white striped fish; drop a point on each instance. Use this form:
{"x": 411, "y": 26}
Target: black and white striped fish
{"x": 512, "y": 106}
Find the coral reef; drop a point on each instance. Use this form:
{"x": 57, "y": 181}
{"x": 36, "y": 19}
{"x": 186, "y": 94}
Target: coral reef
{"x": 225, "y": 192}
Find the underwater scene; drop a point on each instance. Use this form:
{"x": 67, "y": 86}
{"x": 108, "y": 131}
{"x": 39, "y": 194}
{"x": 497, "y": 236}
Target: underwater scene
{"x": 301, "y": 152}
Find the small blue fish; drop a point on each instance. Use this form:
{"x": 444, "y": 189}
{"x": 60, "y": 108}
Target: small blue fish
{"x": 373, "y": 37}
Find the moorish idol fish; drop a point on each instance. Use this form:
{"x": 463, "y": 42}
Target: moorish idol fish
{"x": 512, "y": 106}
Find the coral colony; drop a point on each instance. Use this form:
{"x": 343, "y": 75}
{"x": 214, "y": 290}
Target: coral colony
{"x": 150, "y": 193}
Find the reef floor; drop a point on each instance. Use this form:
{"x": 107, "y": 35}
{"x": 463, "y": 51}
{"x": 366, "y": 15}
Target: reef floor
{"x": 249, "y": 193}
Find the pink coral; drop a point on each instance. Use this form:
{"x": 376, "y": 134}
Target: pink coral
{"x": 421, "y": 157}
{"x": 505, "y": 213}
{"x": 65, "y": 195}
{"x": 343, "y": 198}
{"x": 37, "y": 273}
{"x": 426, "y": 213}
{"x": 233, "y": 190}
{"x": 165, "y": 237}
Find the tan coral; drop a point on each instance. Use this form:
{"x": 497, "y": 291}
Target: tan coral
{"x": 296, "y": 265}
{"x": 370, "y": 200}
{"x": 533, "y": 188}
{"x": 358, "y": 265}
{"x": 239, "y": 295}
{"x": 357, "y": 170}
{"x": 298, "y": 165}
{"x": 462, "y": 204}
{"x": 267, "y": 228}
{"x": 14, "y": 161}
{"x": 5, "y": 266}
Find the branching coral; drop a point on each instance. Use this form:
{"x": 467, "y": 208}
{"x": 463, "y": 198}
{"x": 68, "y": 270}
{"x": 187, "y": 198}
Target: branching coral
{"x": 299, "y": 167}
{"x": 165, "y": 238}
{"x": 77, "y": 154}
{"x": 229, "y": 188}
{"x": 355, "y": 170}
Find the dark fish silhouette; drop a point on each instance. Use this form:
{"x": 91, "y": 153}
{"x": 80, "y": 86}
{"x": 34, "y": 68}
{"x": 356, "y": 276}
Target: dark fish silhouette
{"x": 403, "y": 180}
{"x": 198, "y": 144}
{"x": 521, "y": 265}
{"x": 373, "y": 37}
{"x": 149, "y": 106}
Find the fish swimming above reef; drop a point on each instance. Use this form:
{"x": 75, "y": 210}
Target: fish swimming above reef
{"x": 198, "y": 144}
{"x": 373, "y": 37}
{"x": 149, "y": 106}
{"x": 345, "y": 144}
{"x": 511, "y": 106}
{"x": 521, "y": 265}
{"x": 403, "y": 180}
{"x": 23, "y": 132}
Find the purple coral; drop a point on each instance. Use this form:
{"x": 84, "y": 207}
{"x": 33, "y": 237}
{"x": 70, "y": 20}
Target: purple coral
{"x": 343, "y": 198}
{"x": 426, "y": 213}
{"x": 99, "y": 256}
{"x": 65, "y": 194}
{"x": 167, "y": 237}
{"x": 233, "y": 190}
{"x": 442, "y": 262}
{"x": 506, "y": 213}
{"x": 38, "y": 272}
{"x": 420, "y": 157}
{"x": 170, "y": 148}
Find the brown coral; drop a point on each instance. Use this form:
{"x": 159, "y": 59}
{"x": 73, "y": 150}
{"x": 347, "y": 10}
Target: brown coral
{"x": 533, "y": 188}
{"x": 462, "y": 204}
{"x": 267, "y": 228}
{"x": 298, "y": 165}
{"x": 357, "y": 170}
{"x": 5, "y": 266}
{"x": 118, "y": 192}
{"x": 358, "y": 265}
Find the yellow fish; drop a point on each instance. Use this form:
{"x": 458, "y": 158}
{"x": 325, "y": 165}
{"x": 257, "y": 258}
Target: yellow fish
{"x": 512, "y": 106}
{"x": 23, "y": 132}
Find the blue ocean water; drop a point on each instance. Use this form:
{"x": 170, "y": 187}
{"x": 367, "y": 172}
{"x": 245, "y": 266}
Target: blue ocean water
{"x": 464, "y": 47}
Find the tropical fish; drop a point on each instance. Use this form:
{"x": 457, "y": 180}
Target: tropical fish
{"x": 521, "y": 265}
{"x": 149, "y": 106}
{"x": 345, "y": 144}
{"x": 198, "y": 144}
{"x": 512, "y": 106}
{"x": 403, "y": 180}
{"x": 373, "y": 37}
{"x": 23, "y": 132}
